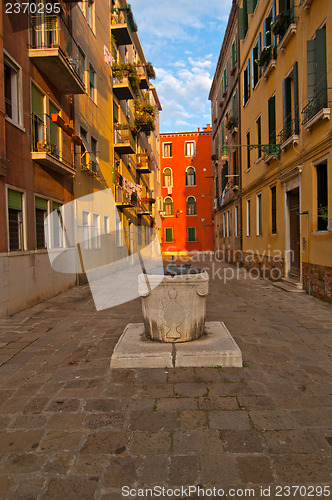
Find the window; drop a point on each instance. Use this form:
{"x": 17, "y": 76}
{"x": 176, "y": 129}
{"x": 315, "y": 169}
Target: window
{"x": 317, "y": 73}
{"x": 95, "y": 231}
{"x": 267, "y": 40}
{"x": 190, "y": 148}
{"x": 255, "y": 67}
{"x": 233, "y": 54}
{"x": 106, "y": 224}
{"x": 217, "y": 185}
{"x": 81, "y": 64}
{"x": 236, "y": 221}
{"x": 235, "y": 174}
{"x": 259, "y": 136}
{"x": 274, "y": 209}
{"x": 235, "y": 108}
{"x": 224, "y": 225}
{"x": 190, "y": 176}
{"x": 224, "y": 176}
{"x": 92, "y": 82}
{"x": 37, "y": 118}
{"x": 167, "y": 149}
{"x": 57, "y": 226}
{"x": 15, "y": 220}
{"x": 191, "y": 234}
{"x": 91, "y": 14}
{"x": 227, "y": 224}
{"x": 119, "y": 230}
{"x": 40, "y": 214}
{"x": 168, "y": 234}
{"x": 248, "y": 218}
{"x": 259, "y": 215}
{"x": 290, "y": 108}
{"x": 85, "y": 229}
{"x": 13, "y": 99}
{"x": 94, "y": 152}
{"x": 54, "y": 131}
{"x": 84, "y": 137}
{"x": 322, "y": 197}
{"x": 167, "y": 177}
{"x": 272, "y": 119}
{"x": 246, "y": 83}
{"x": 225, "y": 78}
{"x": 248, "y": 151}
{"x": 168, "y": 206}
{"x": 191, "y": 205}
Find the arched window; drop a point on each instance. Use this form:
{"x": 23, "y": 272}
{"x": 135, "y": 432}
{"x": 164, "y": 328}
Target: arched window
{"x": 190, "y": 176}
{"x": 168, "y": 205}
{"x": 191, "y": 205}
{"x": 167, "y": 177}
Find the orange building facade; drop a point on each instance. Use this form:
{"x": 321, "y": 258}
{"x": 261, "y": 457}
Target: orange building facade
{"x": 186, "y": 180}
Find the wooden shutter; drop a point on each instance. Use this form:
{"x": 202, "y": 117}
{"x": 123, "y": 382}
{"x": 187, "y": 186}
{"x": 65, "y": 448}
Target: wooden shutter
{"x": 251, "y": 6}
{"x": 242, "y": 31}
{"x": 321, "y": 74}
{"x": 41, "y": 203}
{"x": 286, "y": 102}
{"x": 311, "y": 68}
{"x": 296, "y": 99}
{"x": 274, "y": 209}
{"x": 168, "y": 234}
{"x": 272, "y": 120}
{"x": 37, "y": 101}
{"x": 14, "y": 199}
{"x": 56, "y": 206}
{"x": 248, "y": 78}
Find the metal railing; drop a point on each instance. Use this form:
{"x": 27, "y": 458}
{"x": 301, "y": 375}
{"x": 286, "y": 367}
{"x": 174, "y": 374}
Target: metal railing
{"x": 50, "y": 31}
{"x": 144, "y": 208}
{"x": 123, "y": 136}
{"x": 319, "y": 102}
{"x": 289, "y": 129}
{"x": 282, "y": 22}
{"x": 46, "y": 138}
{"x": 124, "y": 16}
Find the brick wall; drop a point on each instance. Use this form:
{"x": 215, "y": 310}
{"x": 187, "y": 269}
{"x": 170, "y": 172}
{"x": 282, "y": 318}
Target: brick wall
{"x": 318, "y": 281}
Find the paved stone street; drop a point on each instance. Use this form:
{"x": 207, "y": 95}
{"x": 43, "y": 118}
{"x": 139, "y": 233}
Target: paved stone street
{"x": 71, "y": 429}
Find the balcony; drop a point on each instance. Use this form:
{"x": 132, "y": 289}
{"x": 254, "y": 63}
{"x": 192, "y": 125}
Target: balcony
{"x": 123, "y": 26}
{"x": 55, "y": 53}
{"x": 47, "y": 149}
{"x": 123, "y": 199}
{"x": 284, "y": 27}
{"x": 317, "y": 109}
{"x": 288, "y": 135}
{"x": 143, "y": 209}
{"x": 124, "y": 142}
{"x": 143, "y": 163}
{"x": 122, "y": 89}
{"x": 143, "y": 76}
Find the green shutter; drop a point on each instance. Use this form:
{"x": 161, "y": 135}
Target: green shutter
{"x": 168, "y": 234}
{"x": 41, "y": 203}
{"x": 251, "y": 6}
{"x": 56, "y": 206}
{"x": 243, "y": 21}
{"x": 311, "y": 68}
{"x": 296, "y": 99}
{"x": 321, "y": 75}
{"x": 286, "y": 102}
{"x": 92, "y": 76}
{"x": 14, "y": 199}
{"x": 191, "y": 234}
{"x": 37, "y": 102}
{"x": 272, "y": 120}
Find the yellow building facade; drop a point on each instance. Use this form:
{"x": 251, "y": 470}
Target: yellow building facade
{"x": 285, "y": 82}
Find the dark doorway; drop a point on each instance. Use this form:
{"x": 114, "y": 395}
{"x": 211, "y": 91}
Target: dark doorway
{"x": 294, "y": 231}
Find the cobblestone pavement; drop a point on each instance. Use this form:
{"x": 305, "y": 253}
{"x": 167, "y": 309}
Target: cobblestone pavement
{"x": 71, "y": 429}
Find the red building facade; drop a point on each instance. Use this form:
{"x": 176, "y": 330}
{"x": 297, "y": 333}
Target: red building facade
{"x": 186, "y": 180}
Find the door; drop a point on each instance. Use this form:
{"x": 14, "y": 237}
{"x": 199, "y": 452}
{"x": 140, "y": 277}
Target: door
{"x": 294, "y": 228}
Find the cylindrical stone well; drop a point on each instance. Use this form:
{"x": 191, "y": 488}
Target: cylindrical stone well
{"x": 174, "y": 311}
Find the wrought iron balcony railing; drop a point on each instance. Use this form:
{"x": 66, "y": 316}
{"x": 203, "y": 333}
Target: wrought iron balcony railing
{"x": 288, "y": 131}
{"x": 313, "y": 107}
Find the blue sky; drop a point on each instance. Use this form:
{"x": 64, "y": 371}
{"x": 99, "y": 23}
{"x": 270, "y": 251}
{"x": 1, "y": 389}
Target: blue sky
{"x": 182, "y": 39}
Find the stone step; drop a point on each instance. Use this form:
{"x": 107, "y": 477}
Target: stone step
{"x": 288, "y": 287}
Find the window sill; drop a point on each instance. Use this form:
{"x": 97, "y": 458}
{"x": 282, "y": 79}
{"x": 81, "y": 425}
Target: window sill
{"x": 167, "y": 157}
{"x": 321, "y": 232}
{"x": 191, "y": 215}
{"x": 270, "y": 67}
{"x": 191, "y": 186}
{"x": 287, "y": 36}
{"x": 13, "y": 122}
{"x": 324, "y": 113}
{"x": 273, "y": 234}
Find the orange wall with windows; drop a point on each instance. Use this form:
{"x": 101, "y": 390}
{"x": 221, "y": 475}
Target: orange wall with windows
{"x": 186, "y": 180}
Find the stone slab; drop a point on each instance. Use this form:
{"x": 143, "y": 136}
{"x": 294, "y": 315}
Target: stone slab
{"x": 216, "y": 348}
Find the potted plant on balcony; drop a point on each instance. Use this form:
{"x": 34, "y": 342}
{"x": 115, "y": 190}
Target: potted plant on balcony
{"x": 265, "y": 55}
{"x": 120, "y": 70}
{"x": 150, "y": 71}
{"x": 230, "y": 123}
{"x": 144, "y": 114}
{"x": 279, "y": 26}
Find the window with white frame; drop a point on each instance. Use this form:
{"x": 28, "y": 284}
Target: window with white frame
{"x": 15, "y": 220}
{"x": 168, "y": 206}
{"x": 85, "y": 229}
{"x": 95, "y": 231}
{"x": 57, "y": 226}
{"x": 167, "y": 149}
{"x": 37, "y": 118}
{"x": 13, "y": 94}
{"x": 119, "y": 230}
{"x": 191, "y": 205}
{"x": 41, "y": 210}
{"x": 91, "y": 14}
{"x": 106, "y": 224}
{"x": 190, "y": 176}
{"x": 189, "y": 148}
{"x": 167, "y": 177}
{"x": 259, "y": 214}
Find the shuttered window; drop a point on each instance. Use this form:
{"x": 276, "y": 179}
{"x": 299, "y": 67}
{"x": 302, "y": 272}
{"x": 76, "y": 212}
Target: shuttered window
{"x": 272, "y": 119}
{"x": 191, "y": 234}
{"x": 243, "y": 20}
{"x": 322, "y": 197}
{"x": 246, "y": 83}
{"x": 168, "y": 234}
{"x": 248, "y": 151}
{"x": 296, "y": 99}
{"x": 15, "y": 220}
{"x": 233, "y": 54}
{"x": 287, "y": 107}
{"x": 259, "y": 136}
{"x": 224, "y": 175}
{"x": 41, "y": 214}
{"x": 317, "y": 71}
{"x": 57, "y": 226}
{"x": 273, "y": 209}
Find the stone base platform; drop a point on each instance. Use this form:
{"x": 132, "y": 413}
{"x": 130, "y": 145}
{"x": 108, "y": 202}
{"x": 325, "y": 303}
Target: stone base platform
{"x": 215, "y": 348}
